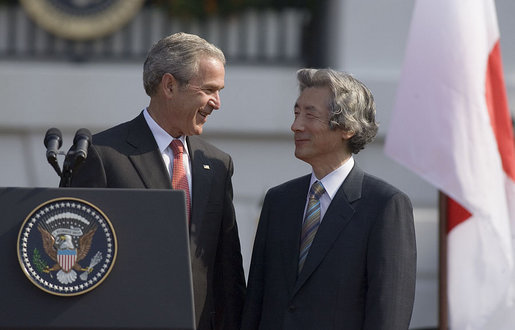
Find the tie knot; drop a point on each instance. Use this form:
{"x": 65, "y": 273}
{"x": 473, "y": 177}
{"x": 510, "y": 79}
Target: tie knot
{"x": 317, "y": 190}
{"x": 177, "y": 147}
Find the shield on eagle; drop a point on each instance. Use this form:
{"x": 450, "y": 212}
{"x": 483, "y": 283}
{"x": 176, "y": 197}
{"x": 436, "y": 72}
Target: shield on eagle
{"x": 66, "y": 259}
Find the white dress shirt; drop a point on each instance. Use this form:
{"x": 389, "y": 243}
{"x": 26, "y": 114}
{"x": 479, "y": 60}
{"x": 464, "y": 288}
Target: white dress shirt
{"x": 163, "y": 140}
{"x": 331, "y": 183}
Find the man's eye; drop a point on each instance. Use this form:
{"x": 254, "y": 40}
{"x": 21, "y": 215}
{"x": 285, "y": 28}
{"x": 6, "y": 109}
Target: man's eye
{"x": 210, "y": 90}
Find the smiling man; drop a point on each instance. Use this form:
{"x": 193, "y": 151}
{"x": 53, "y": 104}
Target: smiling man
{"x": 183, "y": 75}
{"x": 334, "y": 249}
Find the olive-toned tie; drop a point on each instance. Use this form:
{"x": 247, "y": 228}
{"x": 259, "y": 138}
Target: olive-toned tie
{"x": 311, "y": 221}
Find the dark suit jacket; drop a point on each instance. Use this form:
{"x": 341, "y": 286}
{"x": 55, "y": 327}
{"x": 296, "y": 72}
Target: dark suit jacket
{"x": 127, "y": 156}
{"x": 360, "y": 270}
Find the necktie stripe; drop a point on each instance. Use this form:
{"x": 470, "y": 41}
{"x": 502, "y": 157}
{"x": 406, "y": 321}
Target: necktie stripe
{"x": 179, "y": 177}
{"x": 311, "y": 221}
{"x": 306, "y": 232}
{"x": 314, "y": 207}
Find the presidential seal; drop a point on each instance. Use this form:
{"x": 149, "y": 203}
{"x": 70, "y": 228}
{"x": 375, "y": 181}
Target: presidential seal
{"x": 81, "y": 19}
{"x": 67, "y": 246}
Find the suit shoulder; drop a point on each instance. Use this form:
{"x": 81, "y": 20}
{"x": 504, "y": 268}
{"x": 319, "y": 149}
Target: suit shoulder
{"x": 127, "y": 138}
{"x": 107, "y": 136}
{"x": 290, "y": 185}
{"x": 209, "y": 149}
{"x": 380, "y": 187}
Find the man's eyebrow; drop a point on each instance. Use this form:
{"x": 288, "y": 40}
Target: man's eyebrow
{"x": 212, "y": 85}
{"x": 308, "y": 107}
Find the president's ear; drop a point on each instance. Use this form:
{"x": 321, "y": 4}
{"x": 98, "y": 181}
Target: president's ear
{"x": 169, "y": 85}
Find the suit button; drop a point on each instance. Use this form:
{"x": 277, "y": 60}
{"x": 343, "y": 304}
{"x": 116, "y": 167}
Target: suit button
{"x": 292, "y": 308}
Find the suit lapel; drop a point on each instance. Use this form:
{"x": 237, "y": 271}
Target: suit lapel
{"x": 146, "y": 158}
{"x": 291, "y": 227}
{"x": 201, "y": 178}
{"x": 148, "y": 161}
{"x": 337, "y": 216}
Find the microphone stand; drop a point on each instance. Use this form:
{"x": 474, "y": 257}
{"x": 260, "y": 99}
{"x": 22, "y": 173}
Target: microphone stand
{"x": 66, "y": 175}
{"x": 55, "y": 166}
{"x": 72, "y": 161}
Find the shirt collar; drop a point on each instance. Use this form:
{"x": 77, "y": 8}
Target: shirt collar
{"x": 163, "y": 139}
{"x": 334, "y": 180}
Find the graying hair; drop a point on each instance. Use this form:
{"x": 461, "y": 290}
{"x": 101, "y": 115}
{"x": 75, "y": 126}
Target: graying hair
{"x": 179, "y": 55}
{"x": 352, "y": 104}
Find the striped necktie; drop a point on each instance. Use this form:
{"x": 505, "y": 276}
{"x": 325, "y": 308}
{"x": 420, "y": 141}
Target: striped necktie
{"x": 311, "y": 221}
{"x": 179, "y": 178}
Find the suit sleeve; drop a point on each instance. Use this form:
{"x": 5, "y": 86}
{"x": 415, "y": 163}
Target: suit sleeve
{"x": 91, "y": 173}
{"x": 255, "y": 286}
{"x": 391, "y": 267}
{"x": 233, "y": 277}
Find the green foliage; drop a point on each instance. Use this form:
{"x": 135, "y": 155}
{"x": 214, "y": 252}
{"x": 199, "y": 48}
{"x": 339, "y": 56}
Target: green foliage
{"x": 38, "y": 262}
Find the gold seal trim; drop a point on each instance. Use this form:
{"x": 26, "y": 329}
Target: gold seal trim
{"x": 85, "y": 27}
{"x": 21, "y": 237}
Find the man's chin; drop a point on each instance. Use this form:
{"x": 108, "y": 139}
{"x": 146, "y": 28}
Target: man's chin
{"x": 299, "y": 155}
{"x": 197, "y": 130}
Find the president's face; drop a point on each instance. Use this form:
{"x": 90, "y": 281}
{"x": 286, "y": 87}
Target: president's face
{"x": 315, "y": 142}
{"x": 196, "y": 100}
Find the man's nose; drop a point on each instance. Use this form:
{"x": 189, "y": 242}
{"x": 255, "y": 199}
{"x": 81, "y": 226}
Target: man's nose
{"x": 297, "y": 124}
{"x": 215, "y": 101}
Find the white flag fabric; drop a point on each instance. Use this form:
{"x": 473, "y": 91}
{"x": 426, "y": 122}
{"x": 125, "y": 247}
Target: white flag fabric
{"x": 451, "y": 125}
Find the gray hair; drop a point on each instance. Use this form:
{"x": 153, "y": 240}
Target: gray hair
{"x": 352, "y": 104}
{"x": 177, "y": 54}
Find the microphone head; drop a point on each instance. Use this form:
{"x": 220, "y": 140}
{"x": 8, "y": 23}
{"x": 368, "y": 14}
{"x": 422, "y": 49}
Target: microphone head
{"x": 82, "y": 133}
{"x": 53, "y": 133}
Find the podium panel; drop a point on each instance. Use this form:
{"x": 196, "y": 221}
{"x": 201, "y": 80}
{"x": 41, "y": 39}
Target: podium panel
{"x": 149, "y": 285}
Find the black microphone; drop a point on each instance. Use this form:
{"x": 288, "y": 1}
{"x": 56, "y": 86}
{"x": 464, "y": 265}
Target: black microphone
{"x": 75, "y": 156}
{"x": 53, "y": 141}
{"x": 81, "y": 141}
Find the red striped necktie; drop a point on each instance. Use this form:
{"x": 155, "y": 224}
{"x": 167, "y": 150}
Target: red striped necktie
{"x": 179, "y": 177}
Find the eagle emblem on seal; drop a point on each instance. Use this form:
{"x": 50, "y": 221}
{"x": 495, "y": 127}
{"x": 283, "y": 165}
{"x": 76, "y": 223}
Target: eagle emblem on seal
{"x": 67, "y": 246}
{"x": 60, "y": 247}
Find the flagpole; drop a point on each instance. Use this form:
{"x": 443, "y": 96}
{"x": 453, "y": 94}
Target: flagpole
{"x": 442, "y": 262}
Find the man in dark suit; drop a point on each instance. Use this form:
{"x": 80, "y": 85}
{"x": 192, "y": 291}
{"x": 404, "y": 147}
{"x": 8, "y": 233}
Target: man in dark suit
{"x": 341, "y": 254}
{"x": 183, "y": 75}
